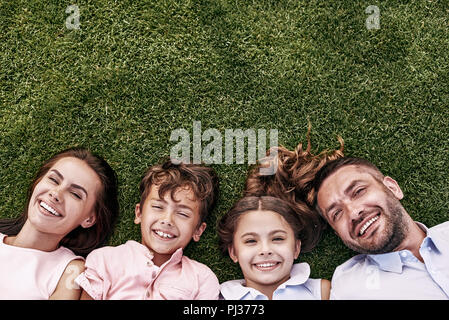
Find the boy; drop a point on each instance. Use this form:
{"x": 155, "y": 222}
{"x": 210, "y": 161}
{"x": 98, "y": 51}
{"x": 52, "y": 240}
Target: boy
{"x": 174, "y": 203}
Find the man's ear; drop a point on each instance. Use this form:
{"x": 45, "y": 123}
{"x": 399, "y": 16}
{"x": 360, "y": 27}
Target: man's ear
{"x": 138, "y": 214}
{"x": 393, "y": 186}
{"x": 232, "y": 254}
{"x": 199, "y": 231}
{"x": 89, "y": 222}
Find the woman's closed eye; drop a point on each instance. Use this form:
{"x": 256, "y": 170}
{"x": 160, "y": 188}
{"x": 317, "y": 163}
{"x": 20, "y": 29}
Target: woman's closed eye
{"x": 54, "y": 180}
{"x": 76, "y": 195}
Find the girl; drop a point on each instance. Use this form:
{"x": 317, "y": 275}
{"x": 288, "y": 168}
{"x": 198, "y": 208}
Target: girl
{"x": 265, "y": 235}
{"x": 292, "y": 181}
{"x": 291, "y": 187}
{"x": 71, "y": 208}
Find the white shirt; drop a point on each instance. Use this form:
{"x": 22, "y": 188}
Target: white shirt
{"x": 298, "y": 287}
{"x": 399, "y": 274}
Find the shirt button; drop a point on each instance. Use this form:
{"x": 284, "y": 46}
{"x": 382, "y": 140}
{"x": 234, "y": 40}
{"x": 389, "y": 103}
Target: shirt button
{"x": 403, "y": 254}
{"x": 149, "y": 264}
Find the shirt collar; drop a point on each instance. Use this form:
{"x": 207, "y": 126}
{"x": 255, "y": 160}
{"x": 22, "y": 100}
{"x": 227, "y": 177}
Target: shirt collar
{"x": 392, "y": 261}
{"x": 298, "y": 275}
{"x": 175, "y": 257}
{"x": 236, "y": 289}
{"x": 433, "y": 239}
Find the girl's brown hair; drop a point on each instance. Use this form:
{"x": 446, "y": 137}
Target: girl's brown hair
{"x": 300, "y": 225}
{"x": 293, "y": 180}
{"x": 80, "y": 240}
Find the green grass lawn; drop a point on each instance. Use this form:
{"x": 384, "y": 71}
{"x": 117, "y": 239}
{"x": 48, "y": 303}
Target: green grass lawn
{"x": 137, "y": 70}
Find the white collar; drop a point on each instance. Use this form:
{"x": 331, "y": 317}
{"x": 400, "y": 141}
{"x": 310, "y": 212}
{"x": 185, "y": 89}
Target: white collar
{"x": 236, "y": 289}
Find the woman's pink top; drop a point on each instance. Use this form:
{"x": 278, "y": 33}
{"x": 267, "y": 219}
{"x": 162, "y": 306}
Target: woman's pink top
{"x": 127, "y": 272}
{"x": 30, "y": 274}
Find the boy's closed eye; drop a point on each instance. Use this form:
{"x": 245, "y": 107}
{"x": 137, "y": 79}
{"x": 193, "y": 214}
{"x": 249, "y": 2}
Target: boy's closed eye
{"x": 183, "y": 214}
{"x": 157, "y": 204}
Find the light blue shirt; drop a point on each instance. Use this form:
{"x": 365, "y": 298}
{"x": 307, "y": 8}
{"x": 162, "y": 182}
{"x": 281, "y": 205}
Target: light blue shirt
{"x": 398, "y": 275}
{"x": 298, "y": 287}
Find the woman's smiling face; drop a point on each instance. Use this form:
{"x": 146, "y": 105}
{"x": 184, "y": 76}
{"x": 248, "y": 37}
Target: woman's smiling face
{"x": 64, "y": 198}
{"x": 265, "y": 246}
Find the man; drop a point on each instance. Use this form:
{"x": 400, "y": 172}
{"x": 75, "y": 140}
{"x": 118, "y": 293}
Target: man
{"x": 400, "y": 258}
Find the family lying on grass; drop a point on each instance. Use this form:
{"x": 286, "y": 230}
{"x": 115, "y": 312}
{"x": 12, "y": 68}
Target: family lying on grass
{"x": 57, "y": 248}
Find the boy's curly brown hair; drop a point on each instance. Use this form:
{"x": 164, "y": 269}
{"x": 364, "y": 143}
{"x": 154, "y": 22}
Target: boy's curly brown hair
{"x": 169, "y": 177}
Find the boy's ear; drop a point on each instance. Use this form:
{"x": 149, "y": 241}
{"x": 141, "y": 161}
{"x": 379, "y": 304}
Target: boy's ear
{"x": 199, "y": 231}
{"x": 232, "y": 254}
{"x": 138, "y": 214}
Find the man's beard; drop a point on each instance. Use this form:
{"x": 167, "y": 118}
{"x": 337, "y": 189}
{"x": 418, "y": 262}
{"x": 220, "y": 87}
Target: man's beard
{"x": 394, "y": 233}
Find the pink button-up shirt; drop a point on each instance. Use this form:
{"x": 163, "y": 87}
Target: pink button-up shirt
{"x": 127, "y": 272}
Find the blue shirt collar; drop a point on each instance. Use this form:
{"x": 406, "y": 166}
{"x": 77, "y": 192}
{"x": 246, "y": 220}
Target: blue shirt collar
{"x": 392, "y": 261}
{"x": 434, "y": 239}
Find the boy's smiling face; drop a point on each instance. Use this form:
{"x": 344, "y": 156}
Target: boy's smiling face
{"x": 169, "y": 224}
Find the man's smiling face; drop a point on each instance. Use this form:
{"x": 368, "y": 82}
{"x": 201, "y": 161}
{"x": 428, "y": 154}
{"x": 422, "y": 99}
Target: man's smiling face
{"x": 364, "y": 212}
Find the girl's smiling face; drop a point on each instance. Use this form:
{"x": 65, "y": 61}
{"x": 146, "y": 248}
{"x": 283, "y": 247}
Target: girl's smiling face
{"x": 64, "y": 198}
{"x": 265, "y": 246}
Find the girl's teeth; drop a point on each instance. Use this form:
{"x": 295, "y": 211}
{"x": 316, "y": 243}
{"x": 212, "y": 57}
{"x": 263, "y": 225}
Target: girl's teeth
{"x": 266, "y": 265}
